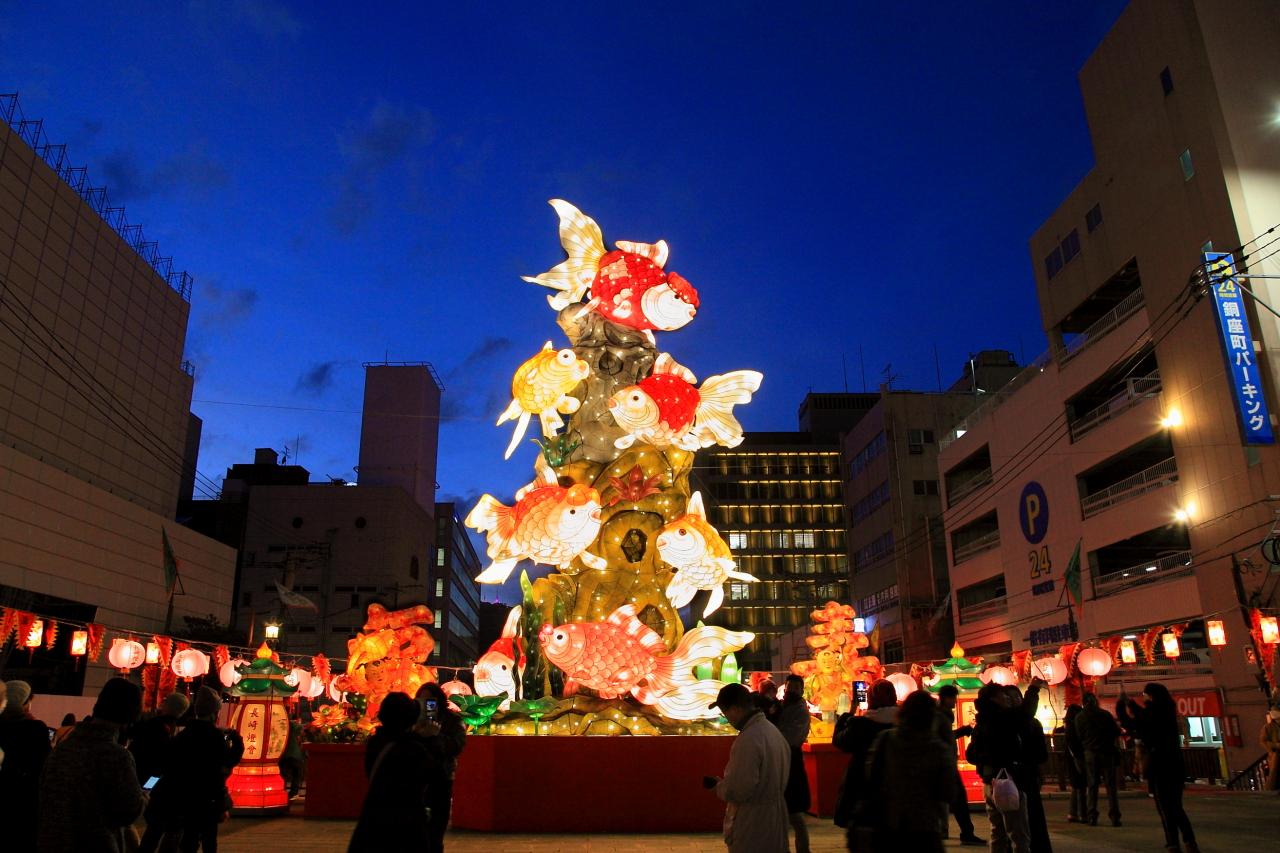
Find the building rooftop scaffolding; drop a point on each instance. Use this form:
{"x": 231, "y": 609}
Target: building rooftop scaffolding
{"x": 31, "y": 131}
{"x": 428, "y": 365}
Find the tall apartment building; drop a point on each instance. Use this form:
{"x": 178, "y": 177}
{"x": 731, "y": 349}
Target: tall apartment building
{"x": 341, "y": 545}
{"x": 777, "y": 499}
{"x": 898, "y": 574}
{"x": 1133, "y": 436}
{"x": 454, "y": 595}
{"x": 94, "y": 413}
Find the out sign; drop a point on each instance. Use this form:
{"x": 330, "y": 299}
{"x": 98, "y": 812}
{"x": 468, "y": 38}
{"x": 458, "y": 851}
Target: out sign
{"x": 1204, "y": 703}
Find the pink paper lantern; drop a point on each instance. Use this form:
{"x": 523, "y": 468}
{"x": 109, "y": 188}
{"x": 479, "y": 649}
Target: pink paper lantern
{"x": 903, "y": 684}
{"x": 189, "y": 663}
{"x": 227, "y": 672}
{"x": 1002, "y": 675}
{"x": 126, "y": 654}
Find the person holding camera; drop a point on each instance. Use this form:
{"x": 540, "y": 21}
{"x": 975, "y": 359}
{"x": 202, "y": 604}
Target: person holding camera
{"x": 755, "y": 779}
{"x": 396, "y": 817}
{"x": 445, "y": 736}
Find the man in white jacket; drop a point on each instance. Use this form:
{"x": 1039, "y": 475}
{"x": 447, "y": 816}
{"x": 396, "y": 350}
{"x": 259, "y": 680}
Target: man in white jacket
{"x": 755, "y": 819}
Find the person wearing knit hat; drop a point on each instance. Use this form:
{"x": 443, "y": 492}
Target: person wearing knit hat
{"x": 24, "y": 741}
{"x": 149, "y": 740}
{"x": 89, "y": 793}
{"x": 191, "y": 797}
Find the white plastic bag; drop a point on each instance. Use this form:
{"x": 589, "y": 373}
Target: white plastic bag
{"x": 1004, "y": 793}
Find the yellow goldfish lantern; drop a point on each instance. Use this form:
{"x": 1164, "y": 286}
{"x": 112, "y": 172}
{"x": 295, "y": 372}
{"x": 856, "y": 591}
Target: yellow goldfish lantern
{"x": 541, "y": 387}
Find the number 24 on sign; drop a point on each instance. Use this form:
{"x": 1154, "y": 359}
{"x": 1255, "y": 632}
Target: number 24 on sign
{"x": 1039, "y": 560}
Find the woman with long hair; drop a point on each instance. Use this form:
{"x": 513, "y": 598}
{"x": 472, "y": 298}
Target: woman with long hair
{"x": 445, "y": 736}
{"x": 1155, "y": 723}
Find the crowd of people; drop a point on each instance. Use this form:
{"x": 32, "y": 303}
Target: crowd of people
{"x": 903, "y": 778}
{"x": 115, "y": 781}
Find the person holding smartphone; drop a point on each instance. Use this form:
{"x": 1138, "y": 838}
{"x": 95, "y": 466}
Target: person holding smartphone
{"x": 445, "y": 737}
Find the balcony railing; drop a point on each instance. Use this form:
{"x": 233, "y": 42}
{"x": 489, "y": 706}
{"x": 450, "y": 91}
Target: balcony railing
{"x": 985, "y": 610}
{"x": 964, "y": 487}
{"x": 1156, "y": 477}
{"x": 1170, "y": 565}
{"x": 990, "y": 402}
{"x": 1136, "y": 389}
{"x": 1102, "y": 326}
{"x": 976, "y": 546}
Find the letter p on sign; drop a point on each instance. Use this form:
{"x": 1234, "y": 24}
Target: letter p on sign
{"x": 1033, "y": 512}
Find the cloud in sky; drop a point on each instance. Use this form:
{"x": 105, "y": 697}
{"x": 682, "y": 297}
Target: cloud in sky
{"x": 390, "y": 135}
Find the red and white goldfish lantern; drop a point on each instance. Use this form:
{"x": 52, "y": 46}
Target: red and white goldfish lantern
{"x": 622, "y": 655}
{"x": 498, "y": 669}
{"x": 668, "y": 408}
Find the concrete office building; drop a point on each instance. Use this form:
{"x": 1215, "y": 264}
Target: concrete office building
{"x": 777, "y": 499}
{"x": 1128, "y": 436}
{"x": 898, "y": 576}
{"x": 94, "y": 412}
{"x": 454, "y": 595}
{"x": 341, "y": 545}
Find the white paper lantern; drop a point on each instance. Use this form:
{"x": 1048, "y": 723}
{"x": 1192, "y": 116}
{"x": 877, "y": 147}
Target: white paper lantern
{"x": 1002, "y": 675}
{"x": 299, "y": 678}
{"x": 314, "y": 689}
{"x": 335, "y": 693}
{"x": 189, "y": 663}
{"x": 903, "y": 684}
{"x": 227, "y": 673}
{"x": 126, "y": 654}
{"x": 1050, "y": 668}
{"x": 1094, "y": 662}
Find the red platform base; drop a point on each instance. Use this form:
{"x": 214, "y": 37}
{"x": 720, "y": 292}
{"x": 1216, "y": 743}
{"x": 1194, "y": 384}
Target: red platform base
{"x": 824, "y": 765}
{"x": 587, "y": 784}
{"x": 257, "y": 789}
{"x": 335, "y": 780}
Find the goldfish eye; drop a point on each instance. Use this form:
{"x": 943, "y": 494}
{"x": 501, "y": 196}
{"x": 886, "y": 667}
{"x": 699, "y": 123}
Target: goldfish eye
{"x": 504, "y": 667}
{"x": 559, "y": 636}
{"x": 573, "y": 512}
{"x": 683, "y": 532}
{"x": 635, "y": 398}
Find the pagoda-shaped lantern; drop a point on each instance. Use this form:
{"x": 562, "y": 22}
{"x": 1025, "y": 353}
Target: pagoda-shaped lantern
{"x": 965, "y": 675}
{"x": 262, "y": 720}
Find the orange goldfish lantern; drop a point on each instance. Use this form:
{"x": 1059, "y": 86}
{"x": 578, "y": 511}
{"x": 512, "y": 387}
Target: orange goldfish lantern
{"x": 549, "y": 524}
{"x": 541, "y": 387}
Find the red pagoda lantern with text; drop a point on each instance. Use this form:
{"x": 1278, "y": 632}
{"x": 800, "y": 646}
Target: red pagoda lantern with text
{"x": 262, "y": 719}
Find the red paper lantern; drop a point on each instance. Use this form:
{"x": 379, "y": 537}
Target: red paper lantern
{"x": 1217, "y": 632}
{"x": 79, "y": 643}
{"x": 1172, "y": 648}
{"x": 1270, "y": 629}
{"x": 35, "y": 634}
{"x": 153, "y": 652}
{"x": 1128, "y": 653}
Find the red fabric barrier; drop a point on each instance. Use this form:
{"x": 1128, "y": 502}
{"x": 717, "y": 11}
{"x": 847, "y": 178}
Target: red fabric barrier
{"x": 824, "y": 765}
{"x": 588, "y": 784}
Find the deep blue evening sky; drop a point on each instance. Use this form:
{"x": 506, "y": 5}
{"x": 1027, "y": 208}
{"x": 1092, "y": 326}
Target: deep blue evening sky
{"x": 348, "y": 186}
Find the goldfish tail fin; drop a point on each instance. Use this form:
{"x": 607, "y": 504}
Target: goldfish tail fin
{"x": 510, "y": 413}
{"x": 521, "y": 426}
{"x": 498, "y": 572}
{"x": 688, "y": 703}
{"x": 580, "y": 236}
{"x": 742, "y": 576}
{"x": 701, "y": 645}
{"x": 491, "y": 516}
{"x": 679, "y": 591}
{"x": 714, "y": 422}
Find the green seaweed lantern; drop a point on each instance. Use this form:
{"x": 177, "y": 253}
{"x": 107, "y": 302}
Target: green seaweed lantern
{"x": 557, "y": 449}
{"x": 477, "y": 711}
{"x": 263, "y": 676}
{"x": 535, "y": 709}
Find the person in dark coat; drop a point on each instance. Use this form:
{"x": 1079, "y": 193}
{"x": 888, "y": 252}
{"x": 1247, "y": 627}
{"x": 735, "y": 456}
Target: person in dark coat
{"x": 89, "y": 791}
{"x": 1155, "y": 724}
{"x": 24, "y": 744}
{"x": 1036, "y": 752}
{"x": 1099, "y": 733}
{"x": 791, "y": 716}
{"x": 1078, "y": 811}
{"x": 395, "y": 817}
{"x": 998, "y": 743}
{"x": 191, "y": 798}
{"x": 445, "y": 736}
{"x": 949, "y": 734}
{"x": 854, "y": 735}
{"x": 910, "y": 774}
{"x": 151, "y": 738}
{"x": 293, "y": 761}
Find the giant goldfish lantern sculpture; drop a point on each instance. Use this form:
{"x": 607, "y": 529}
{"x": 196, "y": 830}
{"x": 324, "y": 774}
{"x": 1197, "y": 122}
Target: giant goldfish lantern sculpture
{"x": 599, "y": 646}
{"x": 388, "y": 656}
{"x": 836, "y": 663}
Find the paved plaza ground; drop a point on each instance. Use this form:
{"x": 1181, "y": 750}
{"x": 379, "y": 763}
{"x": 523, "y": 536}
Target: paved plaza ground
{"x": 1237, "y": 822}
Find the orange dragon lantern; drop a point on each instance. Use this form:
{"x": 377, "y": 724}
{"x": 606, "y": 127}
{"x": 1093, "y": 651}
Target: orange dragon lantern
{"x": 388, "y": 656}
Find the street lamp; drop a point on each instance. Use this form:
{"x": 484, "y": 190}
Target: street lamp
{"x": 271, "y": 631}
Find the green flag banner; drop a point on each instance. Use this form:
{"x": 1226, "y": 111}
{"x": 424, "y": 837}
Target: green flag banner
{"x": 1072, "y": 579}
